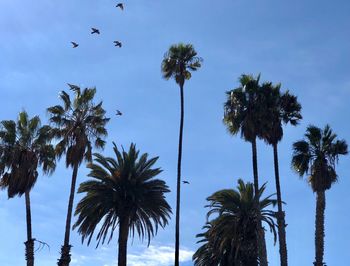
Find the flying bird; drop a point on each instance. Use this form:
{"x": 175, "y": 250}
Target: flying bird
{"x": 185, "y": 182}
{"x": 117, "y": 43}
{"x": 118, "y": 113}
{"x": 93, "y": 30}
{"x": 120, "y": 5}
{"x": 75, "y": 45}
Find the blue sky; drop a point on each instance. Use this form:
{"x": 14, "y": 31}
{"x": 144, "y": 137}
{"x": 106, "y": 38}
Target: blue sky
{"x": 302, "y": 44}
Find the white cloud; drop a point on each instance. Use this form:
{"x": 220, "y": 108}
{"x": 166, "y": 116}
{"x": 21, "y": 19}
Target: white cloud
{"x": 153, "y": 255}
{"x": 158, "y": 255}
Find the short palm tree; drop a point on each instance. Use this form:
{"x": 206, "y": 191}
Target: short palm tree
{"x": 24, "y": 147}
{"x": 316, "y": 156}
{"x": 178, "y": 63}
{"x": 123, "y": 193}
{"x": 79, "y": 125}
{"x": 280, "y": 109}
{"x": 244, "y": 113}
{"x": 232, "y": 236}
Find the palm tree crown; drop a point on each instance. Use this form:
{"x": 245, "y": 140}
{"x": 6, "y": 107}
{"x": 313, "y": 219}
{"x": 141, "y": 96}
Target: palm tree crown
{"x": 80, "y": 124}
{"x": 123, "y": 191}
{"x": 317, "y": 156}
{"x": 24, "y": 146}
{"x": 281, "y": 108}
{"x": 232, "y": 235}
{"x": 179, "y": 61}
{"x": 243, "y": 108}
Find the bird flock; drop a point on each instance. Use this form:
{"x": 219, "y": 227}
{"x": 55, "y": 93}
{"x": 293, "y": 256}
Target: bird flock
{"x": 97, "y": 31}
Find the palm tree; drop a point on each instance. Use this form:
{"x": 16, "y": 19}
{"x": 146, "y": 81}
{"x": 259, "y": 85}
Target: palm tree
{"x": 244, "y": 112}
{"x": 24, "y": 147}
{"x": 281, "y": 109}
{"x": 232, "y": 236}
{"x": 79, "y": 125}
{"x": 178, "y": 63}
{"x": 316, "y": 156}
{"x": 123, "y": 193}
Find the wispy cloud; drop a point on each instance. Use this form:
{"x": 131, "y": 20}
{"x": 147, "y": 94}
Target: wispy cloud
{"x": 158, "y": 255}
{"x": 153, "y": 255}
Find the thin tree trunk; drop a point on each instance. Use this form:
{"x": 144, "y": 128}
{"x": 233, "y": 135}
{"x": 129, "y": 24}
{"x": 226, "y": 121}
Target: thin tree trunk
{"x": 65, "y": 249}
{"x": 123, "y": 242}
{"x": 177, "y": 225}
{"x": 319, "y": 234}
{"x": 280, "y": 217}
{"x": 255, "y": 166}
{"x": 30, "y": 241}
{"x": 261, "y": 235}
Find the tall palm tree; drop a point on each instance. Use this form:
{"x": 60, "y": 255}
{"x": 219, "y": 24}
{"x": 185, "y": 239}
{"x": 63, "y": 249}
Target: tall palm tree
{"x": 178, "y": 63}
{"x": 244, "y": 113}
{"x": 24, "y": 147}
{"x": 316, "y": 156}
{"x": 232, "y": 236}
{"x": 123, "y": 193}
{"x": 280, "y": 109}
{"x": 79, "y": 125}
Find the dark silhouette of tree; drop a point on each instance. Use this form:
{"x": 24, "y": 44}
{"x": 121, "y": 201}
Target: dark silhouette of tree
{"x": 24, "y": 147}
{"x": 123, "y": 193}
{"x": 231, "y": 238}
{"x": 316, "y": 156}
{"x": 178, "y": 63}
{"x": 280, "y": 109}
{"x": 79, "y": 125}
{"x": 244, "y": 113}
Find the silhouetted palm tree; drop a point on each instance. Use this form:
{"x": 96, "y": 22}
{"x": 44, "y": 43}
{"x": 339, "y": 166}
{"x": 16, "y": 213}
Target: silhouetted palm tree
{"x": 178, "y": 63}
{"x": 24, "y": 147}
{"x": 244, "y": 112}
{"x": 317, "y": 156}
{"x": 123, "y": 193}
{"x": 79, "y": 125}
{"x": 280, "y": 109}
{"x": 232, "y": 236}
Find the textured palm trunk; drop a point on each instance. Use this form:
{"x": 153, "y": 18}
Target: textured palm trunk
{"x": 178, "y": 191}
{"x": 65, "y": 249}
{"x": 319, "y": 234}
{"x": 123, "y": 242}
{"x": 30, "y": 241}
{"x": 261, "y": 235}
{"x": 280, "y": 216}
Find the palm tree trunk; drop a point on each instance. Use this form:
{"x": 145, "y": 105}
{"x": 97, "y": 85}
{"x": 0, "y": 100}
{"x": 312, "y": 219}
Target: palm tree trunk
{"x": 319, "y": 234}
{"x": 30, "y": 241}
{"x": 280, "y": 216}
{"x": 255, "y": 166}
{"x": 177, "y": 225}
{"x": 65, "y": 249}
{"x": 261, "y": 235}
{"x": 123, "y": 242}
